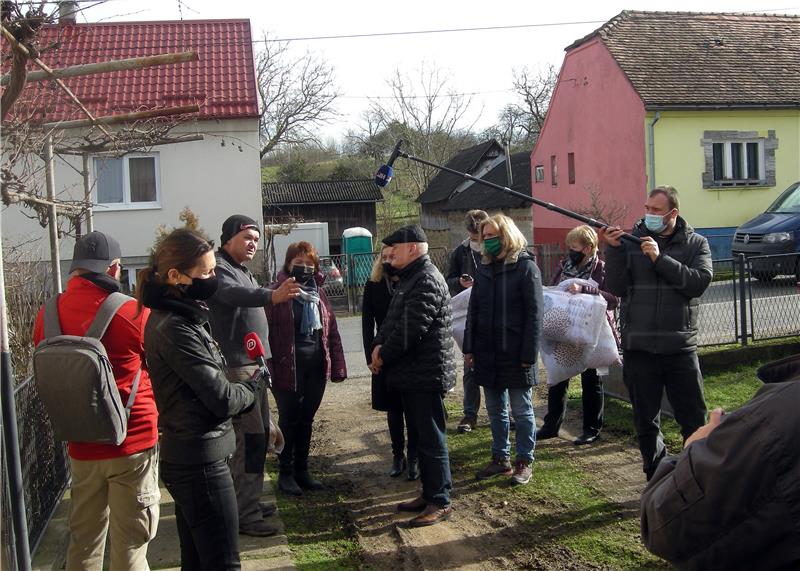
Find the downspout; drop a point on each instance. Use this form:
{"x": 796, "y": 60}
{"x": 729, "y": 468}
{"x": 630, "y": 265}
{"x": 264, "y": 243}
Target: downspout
{"x": 651, "y": 151}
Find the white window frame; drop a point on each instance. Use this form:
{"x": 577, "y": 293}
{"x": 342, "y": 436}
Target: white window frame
{"x": 727, "y": 162}
{"x": 126, "y": 203}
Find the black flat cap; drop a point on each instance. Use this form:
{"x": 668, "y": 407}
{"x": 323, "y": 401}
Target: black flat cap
{"x": 406, "y": 234}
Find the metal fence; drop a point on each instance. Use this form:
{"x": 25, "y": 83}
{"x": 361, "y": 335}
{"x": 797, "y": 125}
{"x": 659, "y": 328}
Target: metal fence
{"x": 45, "y": 467}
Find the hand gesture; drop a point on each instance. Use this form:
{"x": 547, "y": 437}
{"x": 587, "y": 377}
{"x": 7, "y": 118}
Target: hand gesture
{"x": 650, "y": 248}
{"x": 466, "y": 283}
{"x": 612, "y": 235}
{"x": 286, "y": 291}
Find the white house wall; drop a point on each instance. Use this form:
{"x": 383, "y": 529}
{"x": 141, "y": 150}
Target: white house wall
{"x": 212, "y": 179}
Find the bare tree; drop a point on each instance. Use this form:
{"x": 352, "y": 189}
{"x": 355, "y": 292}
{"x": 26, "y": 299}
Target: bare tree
{"x": 427, "y": 114}
{"x": 295, "y": 95}
{"x": 609, "y": 211}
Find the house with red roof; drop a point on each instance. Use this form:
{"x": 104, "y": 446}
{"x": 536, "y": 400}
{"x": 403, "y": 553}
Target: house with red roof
{"x": 215, "y": 175}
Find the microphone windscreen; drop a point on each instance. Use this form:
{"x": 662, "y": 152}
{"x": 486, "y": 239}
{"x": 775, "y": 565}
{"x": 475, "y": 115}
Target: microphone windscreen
{"x": 253, "y": 346}
{"x": 384, "y": 176}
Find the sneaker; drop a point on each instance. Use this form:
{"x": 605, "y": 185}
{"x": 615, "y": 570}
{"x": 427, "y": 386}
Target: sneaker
{"x": 467, "y": 424}
{"x": 522, "y": 472}
{"x": 585, "y": 438}
{"x": 497, "y": 467}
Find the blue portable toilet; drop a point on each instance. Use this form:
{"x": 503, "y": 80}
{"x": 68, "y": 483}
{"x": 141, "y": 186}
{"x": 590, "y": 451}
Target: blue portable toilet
{"x": 357, "y": 241}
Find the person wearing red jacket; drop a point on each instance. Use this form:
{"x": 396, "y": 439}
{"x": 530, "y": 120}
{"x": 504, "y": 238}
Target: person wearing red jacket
{"x": 112, "y": 486}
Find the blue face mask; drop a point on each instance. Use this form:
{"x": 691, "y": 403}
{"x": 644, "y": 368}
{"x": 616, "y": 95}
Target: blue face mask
{"x": 654, "y": 222}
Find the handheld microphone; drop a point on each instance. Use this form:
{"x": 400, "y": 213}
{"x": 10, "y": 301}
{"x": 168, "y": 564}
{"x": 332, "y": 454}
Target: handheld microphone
{"x": 254, "y": 348}
{"x": 384, "y": 175}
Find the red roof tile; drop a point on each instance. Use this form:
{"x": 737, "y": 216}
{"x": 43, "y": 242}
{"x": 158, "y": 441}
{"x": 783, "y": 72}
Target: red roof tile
{"x": 222, "y": 82}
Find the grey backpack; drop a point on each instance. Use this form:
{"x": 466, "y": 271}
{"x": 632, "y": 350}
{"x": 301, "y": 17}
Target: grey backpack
{"x": 75, "y": 380}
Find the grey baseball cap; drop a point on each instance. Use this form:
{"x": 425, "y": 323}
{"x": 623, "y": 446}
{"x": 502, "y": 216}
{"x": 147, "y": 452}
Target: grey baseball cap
{"x": 95, "y": 252}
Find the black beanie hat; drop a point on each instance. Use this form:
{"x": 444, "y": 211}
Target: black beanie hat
{"x": 406, "y": 234}
{"x": 235, "y": 224}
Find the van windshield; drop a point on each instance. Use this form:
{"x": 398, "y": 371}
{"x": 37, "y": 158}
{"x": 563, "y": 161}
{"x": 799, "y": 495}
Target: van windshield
{"x": 788, "y": 202}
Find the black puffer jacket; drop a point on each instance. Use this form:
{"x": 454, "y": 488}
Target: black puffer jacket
{"x": 194, "y": 398}
{"x": 416, "y": 337}
{"x": 660, "y": 301}
{"x": 504, "y": 322}
{"x": 732, "y": 500}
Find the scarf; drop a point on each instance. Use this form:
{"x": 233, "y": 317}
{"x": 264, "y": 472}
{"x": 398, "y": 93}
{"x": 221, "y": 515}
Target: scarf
{"x": 309, "y": 320}
{"x": 102, "y": 281}
{"x": 584, "y": 271}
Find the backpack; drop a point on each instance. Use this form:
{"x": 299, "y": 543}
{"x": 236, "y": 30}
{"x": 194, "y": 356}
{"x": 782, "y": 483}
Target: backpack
{"x": 75, "y": 381}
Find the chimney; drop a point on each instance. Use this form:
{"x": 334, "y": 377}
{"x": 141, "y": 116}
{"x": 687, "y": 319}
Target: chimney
{"x": 508, "y": 164}
{"x": 66, "y": 12}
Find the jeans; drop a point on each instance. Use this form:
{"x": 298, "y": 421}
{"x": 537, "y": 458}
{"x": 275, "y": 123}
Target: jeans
{"x": 591, "y": 395}
{"x": 398, "y": 421}
{"x": 647, "y": 375}
{"x": 522, "y": 408}
{"x": 206, "y": 515}
{"x": 116, "y": 494}
{"x": 426, "y": 413}
{"x": 296, "y": 411}
{"x": 472, "y": 393}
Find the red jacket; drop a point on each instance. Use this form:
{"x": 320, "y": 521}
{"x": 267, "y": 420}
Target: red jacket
{"x": 281, "y": 340}
{"x": 124, "y": 343}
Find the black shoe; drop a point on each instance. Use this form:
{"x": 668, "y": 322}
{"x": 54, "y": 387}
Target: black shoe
{"x": 413, "y": 469}
{"x": 398, "y": 466}
{"x": 546, "y": 432}
{"x": 259, "y": 529}
{"x": 288, "y": 485}
{"x": 305, "y": 481}
{"x": 267, "y": 509}
{"x": 585, "y": 438}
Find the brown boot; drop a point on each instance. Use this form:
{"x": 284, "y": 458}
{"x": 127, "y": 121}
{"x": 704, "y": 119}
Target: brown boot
{"x": 416, "y": 505}
{"x": 497, "y": 467}
{"x": 433, "y": 514}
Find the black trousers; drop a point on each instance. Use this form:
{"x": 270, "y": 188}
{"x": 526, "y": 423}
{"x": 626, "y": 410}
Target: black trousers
{"x": 591, "y": 396}
{"x": 647, "y": 376}
{"x": 206, "y": 515}
{"x": 426, "y": 413}
{"x": 296, "y": 411}
{"x": 398, "y": 420}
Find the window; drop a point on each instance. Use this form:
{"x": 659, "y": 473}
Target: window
{"x": 553, "y": 171}
{"x": 571, "y": 167}
{"x": 127, "y": 182}
{"x": 739, "y": 158}
{"x": 539, "y": 173}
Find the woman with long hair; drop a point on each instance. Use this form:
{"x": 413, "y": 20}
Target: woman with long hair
{"x": 377, "y": 296}
{"x": 306, "y": 353}
{"x": 501, "y": 342}
{"x": 194, "y": 398}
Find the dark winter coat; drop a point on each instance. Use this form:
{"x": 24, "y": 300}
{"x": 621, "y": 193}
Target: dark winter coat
{"x": 194, "y": 398}
{"x": 416, "y": 337}
{"x": 281, "y": 340}
{"x": 375, "y": 304}
{"x": 504, "y": 322}
{"x": 463, "y": 260}
{"x": 660, "y": 301}
{"x": 732, "y": 500}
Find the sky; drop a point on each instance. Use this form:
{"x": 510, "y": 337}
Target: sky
{"x": 479, "y": 62}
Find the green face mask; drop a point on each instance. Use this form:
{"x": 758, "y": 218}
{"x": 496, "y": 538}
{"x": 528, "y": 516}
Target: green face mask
{"x": 492, "y": 246}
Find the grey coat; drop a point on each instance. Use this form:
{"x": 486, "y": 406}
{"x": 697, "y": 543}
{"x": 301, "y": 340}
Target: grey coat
{"x": 660, "y": 300}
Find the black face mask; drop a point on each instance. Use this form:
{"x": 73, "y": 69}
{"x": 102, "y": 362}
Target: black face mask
{"x": 303, "y": 274}
{"x": 389, "y": 269}
{"x": 200, "y": 289}
{"x": 575, "y": 257}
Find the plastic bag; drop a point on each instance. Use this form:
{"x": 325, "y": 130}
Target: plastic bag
{"x": 460, "y": 305}
{"x": 574, "y": 319}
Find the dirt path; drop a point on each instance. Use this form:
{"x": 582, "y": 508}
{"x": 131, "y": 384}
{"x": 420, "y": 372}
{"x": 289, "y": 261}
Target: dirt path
{"x": 352, "y": 442}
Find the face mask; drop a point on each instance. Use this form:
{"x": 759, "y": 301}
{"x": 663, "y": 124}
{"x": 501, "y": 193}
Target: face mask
{"x": 474, "y": 245}
{"x": 389, "y": 269}
{"x": 303, "y": 273}
{"x": 654, "y": 222}
{"x": 576, "y": 257}
{"x": 200, "y": 289}
{"x": 492, "y": 246}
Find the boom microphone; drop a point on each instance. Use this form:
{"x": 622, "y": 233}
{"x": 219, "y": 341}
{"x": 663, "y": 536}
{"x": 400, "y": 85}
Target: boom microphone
{"x": 255, "y": 349}
{"x": 384, "y": 175}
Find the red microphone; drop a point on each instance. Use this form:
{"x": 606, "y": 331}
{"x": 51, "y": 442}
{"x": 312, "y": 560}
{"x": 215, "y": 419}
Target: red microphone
{"x": 254, "y": 348}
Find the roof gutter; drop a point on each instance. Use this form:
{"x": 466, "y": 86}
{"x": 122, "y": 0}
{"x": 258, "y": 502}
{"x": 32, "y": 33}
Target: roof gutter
{"x": 651, "y": 134}
{"x": 719, "y": 106}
